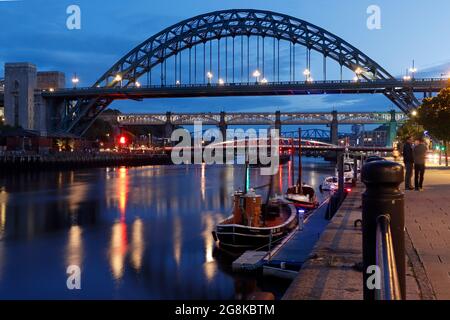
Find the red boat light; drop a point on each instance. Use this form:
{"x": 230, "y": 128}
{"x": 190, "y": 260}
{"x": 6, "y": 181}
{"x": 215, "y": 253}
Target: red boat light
{"x": 348, "y": 190}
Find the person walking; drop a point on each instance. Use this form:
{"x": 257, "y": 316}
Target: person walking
{"x": 408, "y": 160}
{"x": 420, "y": 152}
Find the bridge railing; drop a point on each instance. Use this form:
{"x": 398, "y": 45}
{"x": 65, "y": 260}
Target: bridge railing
{"x": 258, "y": 84}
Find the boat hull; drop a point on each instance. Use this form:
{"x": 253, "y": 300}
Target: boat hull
{"x": 239, "y": 237}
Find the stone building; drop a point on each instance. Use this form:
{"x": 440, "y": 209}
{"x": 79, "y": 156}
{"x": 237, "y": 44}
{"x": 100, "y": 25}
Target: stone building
{"x": 24, "y": 105}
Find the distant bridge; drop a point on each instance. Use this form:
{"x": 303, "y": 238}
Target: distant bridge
{"x": 276, "y": 120}
{"x": 260, "y": 118}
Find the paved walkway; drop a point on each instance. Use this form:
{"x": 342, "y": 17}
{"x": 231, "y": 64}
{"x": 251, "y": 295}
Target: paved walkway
{"x": 427, "y": 217}
{"x": 330, "y": 273}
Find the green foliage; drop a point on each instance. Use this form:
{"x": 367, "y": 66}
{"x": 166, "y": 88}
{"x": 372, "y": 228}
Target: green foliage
{"x": 434, "y": 115}
{"x": 409, "y": 129}
{"x": 100, "y": 129}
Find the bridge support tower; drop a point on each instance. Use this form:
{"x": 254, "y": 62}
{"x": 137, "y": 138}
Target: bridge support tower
{"x": 392, "y": 131}
{"x": 223, "y": 125}
{"x": 278, "y": 121}
{"x": 334, "y": 128}
{"x": 168, "y": 127}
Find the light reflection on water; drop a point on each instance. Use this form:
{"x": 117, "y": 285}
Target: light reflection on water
{"x": 136, "y": 232}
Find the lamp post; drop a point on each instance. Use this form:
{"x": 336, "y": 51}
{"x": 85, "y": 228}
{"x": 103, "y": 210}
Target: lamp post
{"x": 358, "y": 73}
{"x": 75, "y": 80}
{"x": 256, "y": 75}
{"x": 307, "y": 74}
{"x": 413, "y": 70}
{"x": 209, "y": 75}
{"x": 414, "y": 115}
{"x": 118, "y": 78}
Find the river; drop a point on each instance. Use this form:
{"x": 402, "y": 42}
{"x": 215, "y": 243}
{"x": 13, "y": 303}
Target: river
{"x": 136, "y": 233}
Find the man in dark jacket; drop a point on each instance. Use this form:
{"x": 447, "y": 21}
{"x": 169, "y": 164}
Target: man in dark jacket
{"x": 408, "y": 160}
{"x": 420, "y": 153}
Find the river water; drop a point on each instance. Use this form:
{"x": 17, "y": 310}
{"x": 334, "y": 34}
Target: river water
{"x": 135, "y": 233}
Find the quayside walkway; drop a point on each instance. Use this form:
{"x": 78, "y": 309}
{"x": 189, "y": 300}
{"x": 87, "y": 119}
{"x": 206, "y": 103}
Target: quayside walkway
{"x": 427, "y": 218}
{"x": 332, "y": 273}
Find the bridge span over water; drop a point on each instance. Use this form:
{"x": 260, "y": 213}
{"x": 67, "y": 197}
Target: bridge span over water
{"x": 275, "y": 119}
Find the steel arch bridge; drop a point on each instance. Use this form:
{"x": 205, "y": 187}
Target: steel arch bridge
{"x": 216, "y": 26}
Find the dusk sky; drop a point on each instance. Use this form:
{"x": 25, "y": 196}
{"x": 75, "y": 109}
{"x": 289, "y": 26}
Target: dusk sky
{"x": 35, "y": 31}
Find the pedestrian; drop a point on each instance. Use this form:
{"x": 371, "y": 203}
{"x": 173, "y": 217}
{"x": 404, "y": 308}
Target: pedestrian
{"x": 420, "y": 152}
{"x": 408, "y": 160}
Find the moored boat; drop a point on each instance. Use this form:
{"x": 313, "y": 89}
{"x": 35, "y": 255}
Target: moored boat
{"x": 303, "y": 197}
{"x": 254, "y": 225}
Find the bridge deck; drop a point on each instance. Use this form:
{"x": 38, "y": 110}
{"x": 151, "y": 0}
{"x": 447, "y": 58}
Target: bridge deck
{"x": 252, "y": 89}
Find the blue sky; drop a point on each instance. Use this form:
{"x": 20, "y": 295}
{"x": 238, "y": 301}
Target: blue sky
{"x": 35, "y": 31}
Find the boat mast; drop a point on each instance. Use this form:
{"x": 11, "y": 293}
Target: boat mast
{"x": 299, "y": 182}
{"x": 246, "y": 174}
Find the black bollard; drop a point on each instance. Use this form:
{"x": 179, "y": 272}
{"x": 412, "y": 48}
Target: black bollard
{"x": 355, "y": 169}
{"x": 383, "y": 197}
{"x": 341, "y": 180}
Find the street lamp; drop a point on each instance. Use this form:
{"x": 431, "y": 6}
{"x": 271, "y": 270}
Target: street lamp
{"x": 177, "y": 82}
{"x": 307, "y": 74}
{"x": 256, "y": 74}
{"x": 118, "y": 78}
{"x": 358, "y": 73}
{"x": 137, "y": 84}
{"x": 414, "y": 113}
{"x": 413, "y": 70}
{"x": 209, "y": 75}
{"x": 221, "y": 82}
{"x": 264, "y": 81}
{"x": 75, "y": 80}
{"x": 407, "y": 78}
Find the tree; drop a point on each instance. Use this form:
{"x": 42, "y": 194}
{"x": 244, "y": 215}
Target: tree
{"x": 434, "y": 115}
{"x": 409, "y": 129}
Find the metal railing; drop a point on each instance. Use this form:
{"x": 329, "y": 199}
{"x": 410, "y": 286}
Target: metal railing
{"x": 385, "y": 259}
{"x": 128, "y": 86}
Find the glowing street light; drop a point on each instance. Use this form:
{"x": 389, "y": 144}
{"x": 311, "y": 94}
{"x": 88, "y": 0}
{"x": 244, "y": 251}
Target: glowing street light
{"x": 414, "y": 113}
{"x": 209, "y": 75}
{"x": 75, "y": 80}
{"x": 307, "y": 74}
{"x": 118, "y": 78}
{"x": 407, "y": 78}
{"x": 137, "y": 84}
{"x": 359, "y": 71}
{"x": 221, "y": 82}
{"x": 413, "y": 70}
{"x": 177, "y": 82}
{"x": 264, "y": 81}
{"x": 256, "y": 74}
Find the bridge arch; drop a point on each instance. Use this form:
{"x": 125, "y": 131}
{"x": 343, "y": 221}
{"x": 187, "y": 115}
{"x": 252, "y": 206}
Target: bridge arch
{"x": 233, "y": 23}
{"x": 225, "y": 24}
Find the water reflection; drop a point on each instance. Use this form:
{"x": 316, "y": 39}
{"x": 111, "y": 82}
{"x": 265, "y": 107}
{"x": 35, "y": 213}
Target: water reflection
{"x": 74, "y": 250}
{"x": 118, "y": 249}
{"x": 137, "y": 244}
{"x": 209, "y": 265}
{"x": 141, "y": 232}
{"x": 177, "y": 240}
